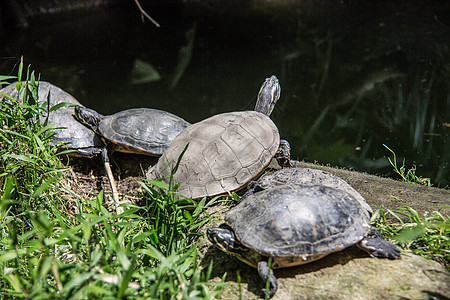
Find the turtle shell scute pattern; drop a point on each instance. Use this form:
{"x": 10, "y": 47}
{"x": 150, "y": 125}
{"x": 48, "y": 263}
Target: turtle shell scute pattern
{"x": 224, "y": 153}
{"x": 299, "y": 223}
{"x": 142, "y": 130}
{"x": 309, "y": 176}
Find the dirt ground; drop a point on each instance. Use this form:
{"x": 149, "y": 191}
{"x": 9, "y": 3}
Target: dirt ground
{"x": 87, "y": 177}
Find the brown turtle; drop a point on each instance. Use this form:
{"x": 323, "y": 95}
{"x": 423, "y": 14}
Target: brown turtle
{"x": 225, "y": 151}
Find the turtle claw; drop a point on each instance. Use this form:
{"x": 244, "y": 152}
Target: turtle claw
{"x": 379, "y": 247}
{"x": 283, "y": 155}
{"x": 267, "y": 274}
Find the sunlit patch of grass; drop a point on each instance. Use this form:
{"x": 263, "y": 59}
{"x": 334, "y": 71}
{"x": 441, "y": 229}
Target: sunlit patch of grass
{"x": 100, "y": 255}
{"x": 428, "y": 236}
{"x": 407, "y": 175}
{"x": 28, "y": 165}
{"x": 47, "y": 253}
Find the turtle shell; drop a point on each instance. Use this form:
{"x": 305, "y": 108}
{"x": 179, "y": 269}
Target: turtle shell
{"x": 142, "y": 130}
{"x": 66, "y": 128}
{"x": 224, "y": 152}
{"x": 296, "y": 224}
{"x": 309, "y": 176}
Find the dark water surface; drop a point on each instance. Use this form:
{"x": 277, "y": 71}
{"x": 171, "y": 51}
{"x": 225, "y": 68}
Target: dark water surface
{"x": 354, "y": 76}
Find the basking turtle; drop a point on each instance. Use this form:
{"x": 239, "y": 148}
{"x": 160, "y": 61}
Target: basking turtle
{"x": 137, "y": 130}
{"x": 225, "y": 151}
{"x": 296, "y": 224}
{"x": 304, "y": 176}
{"x": 68, "y": 132}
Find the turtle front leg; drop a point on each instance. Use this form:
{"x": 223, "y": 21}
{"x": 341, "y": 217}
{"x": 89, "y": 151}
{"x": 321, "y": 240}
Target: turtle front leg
{"x": 265, "y": 274}
{"x": 89, "y": 152}
{"x": 253, "y": 187}
{"x": 283, "y": 155}
{"x": 376, "y": 245}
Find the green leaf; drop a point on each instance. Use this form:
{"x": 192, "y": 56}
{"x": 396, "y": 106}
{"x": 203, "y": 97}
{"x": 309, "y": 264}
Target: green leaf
{"x": 62, "y": 104}
{"x": 123, "y": 260}
{"x": 39, "y": 142}
{"x": 98, "y": 291}
{"x": 20, "y": 157}
{"x": 154, "y": 238}
{"x": 410, "y": 234}
{"x": 44, "y": 186}
{"x": 8, "y": 188}
{"x": 6, "y": 77}
{"x": 152, "y": 252}
{"x": 12, "y": 254}
{"x": 125, "y": 280}
{"x": 77, "y": 280}
{"x": 142, "y": 236}
{"x": 19, "y": 74}
{"x": 187, "y": 215}
{"x": 158, "y": 184}
{"x": 17, "y": 134}
{"x": 45, "y": 266}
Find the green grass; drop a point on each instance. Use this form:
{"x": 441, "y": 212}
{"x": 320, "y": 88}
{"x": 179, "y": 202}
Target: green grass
{"x": 427, "y": 236}
{"x": 49, "y": 250}
{"x": 407, "y": 175}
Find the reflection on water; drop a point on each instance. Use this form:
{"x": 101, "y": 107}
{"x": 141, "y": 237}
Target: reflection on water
{"x": 353, "y": 76}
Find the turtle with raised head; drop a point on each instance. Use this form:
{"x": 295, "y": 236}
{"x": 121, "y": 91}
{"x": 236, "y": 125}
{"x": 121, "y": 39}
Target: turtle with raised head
{"x": 225, "y": 151}
{"x": 295, "y": 224}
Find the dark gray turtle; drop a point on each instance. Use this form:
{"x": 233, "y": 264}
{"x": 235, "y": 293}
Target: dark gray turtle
{"x": 296, "y": 224}
{"x": 225, "y": 151}
{"x": 304, "y": 176}
{"x": 137, "y": 130}
{"x": 68, "y": 132}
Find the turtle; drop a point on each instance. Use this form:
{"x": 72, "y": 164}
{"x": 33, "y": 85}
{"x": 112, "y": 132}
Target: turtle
{"x": 306, "y": 176}
{"x": 136, "y": 130}
{"x": 69, "y": 133}
{"x": 294, "y": 224}
{"x": 224, "y": 152}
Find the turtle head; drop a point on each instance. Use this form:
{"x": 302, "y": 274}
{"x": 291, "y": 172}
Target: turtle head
{"x": 223, "y": 237}
{"x": 268, "y": 95}
{"x": 88, "y": 117}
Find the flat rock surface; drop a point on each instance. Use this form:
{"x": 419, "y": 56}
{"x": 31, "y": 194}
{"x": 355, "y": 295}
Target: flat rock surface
{"x": 349, "y": 274}
{"x": 389, "y": 193}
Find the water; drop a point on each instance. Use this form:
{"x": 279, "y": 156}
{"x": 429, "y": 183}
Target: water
{"x": 353, "y": 76}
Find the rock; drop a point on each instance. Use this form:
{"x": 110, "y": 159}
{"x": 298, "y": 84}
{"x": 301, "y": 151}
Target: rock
{"x": 351, "y": 273}
{"x": 389, "y": 193}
